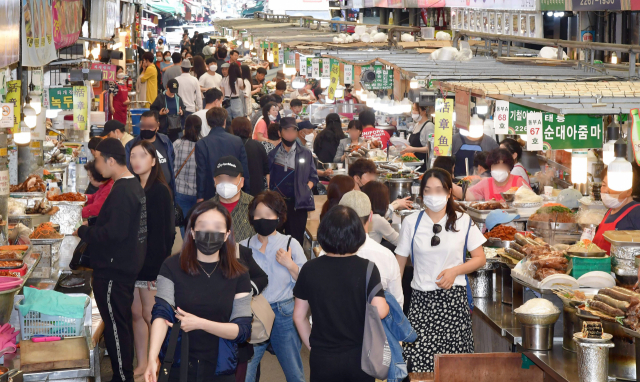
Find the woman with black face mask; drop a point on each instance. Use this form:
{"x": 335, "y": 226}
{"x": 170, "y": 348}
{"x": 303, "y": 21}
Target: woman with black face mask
{"x": 208, "y": 290}
{"x": 281, "y": 257}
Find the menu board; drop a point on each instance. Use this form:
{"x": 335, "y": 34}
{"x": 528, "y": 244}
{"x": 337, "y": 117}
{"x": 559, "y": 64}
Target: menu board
{"x": 384, "y": 77}
{"x": 571, "y": 131}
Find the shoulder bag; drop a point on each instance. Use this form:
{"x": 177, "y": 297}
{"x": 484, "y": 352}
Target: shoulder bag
{"x": 263, "y": 316}
{"x": 464, "y": 257}
{"x": 376, "y": 353}
{"x": 174, "y": 121}
{"x": 81, "y": 257}
{"x": 179, "y": 214}
{"x": 167, "y": 363}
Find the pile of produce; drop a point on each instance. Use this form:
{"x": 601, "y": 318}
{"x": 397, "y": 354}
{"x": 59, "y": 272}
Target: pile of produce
{"x": 502, "y": 232}
{"x": 68, "y": 197}
{"x": 45, "y": 231}
{"x": 409, "y": 157}
{"x": 554, "y": 212}
{"x": 488, "y": 205}
{"x": 33, "y": 183}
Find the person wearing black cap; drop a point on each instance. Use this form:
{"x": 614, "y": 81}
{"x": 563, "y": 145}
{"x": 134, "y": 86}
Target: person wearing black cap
{"x": 229, "y": 180}
{"x": 217, "y": 144}
{"x": 118, "y": 243}
{"x": 305, "y": 131}
{"x": 115, "y": 129}
{"x": 293, "y": 174}
{"x": 169, "y": 103}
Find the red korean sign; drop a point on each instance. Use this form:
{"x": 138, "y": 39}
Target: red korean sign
{"x": 108, "y": 71}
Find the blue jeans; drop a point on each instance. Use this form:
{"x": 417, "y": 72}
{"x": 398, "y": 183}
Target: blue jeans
{"x": 285, "y": 342}
{"x": 185, "y": 202}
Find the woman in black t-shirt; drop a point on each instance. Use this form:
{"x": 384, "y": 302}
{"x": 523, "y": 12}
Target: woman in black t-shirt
{"x": 333, "y": 286}
{"x": 161, "y": 232}
{"x": 210, "y": 291}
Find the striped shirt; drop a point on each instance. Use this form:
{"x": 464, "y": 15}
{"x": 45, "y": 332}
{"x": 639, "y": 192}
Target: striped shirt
{"x": 186, "y": 180}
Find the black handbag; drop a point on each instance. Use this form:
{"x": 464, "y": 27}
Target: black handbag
{"x": 81, "y": 255}
{"x": 174, "y": 121}
{"x": 167, "y": 363}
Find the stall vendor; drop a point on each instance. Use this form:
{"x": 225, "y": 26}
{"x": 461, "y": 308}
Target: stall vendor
{"x": 623, "y": 213}
{"x": 515, "y": 149}
{"x": 501, "y": 163}
{"x": 419, "y": 138}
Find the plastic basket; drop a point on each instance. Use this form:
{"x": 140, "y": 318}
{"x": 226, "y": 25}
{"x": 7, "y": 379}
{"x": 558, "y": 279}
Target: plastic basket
{"x": 36, "y": 323}
{"x": 582, "y": 265}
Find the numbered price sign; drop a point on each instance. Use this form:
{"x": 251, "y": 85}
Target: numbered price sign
{"x": 534, "y": 131}
{"x": 348, "y": 74}
{"x": 501, "y": 117}
{"x": 108, "y": 71}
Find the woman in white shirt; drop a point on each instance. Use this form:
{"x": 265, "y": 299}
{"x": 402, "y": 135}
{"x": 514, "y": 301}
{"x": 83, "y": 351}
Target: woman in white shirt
{"x": 516, "y": 151}
{"x": 439, "y": 310}
{"x": 380, "y": 228}
{"x": 246, "y": 79}
{"x": 233, "y": 86}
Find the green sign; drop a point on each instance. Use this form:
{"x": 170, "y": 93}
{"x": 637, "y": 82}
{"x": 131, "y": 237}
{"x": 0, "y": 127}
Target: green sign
{"x": 552, "y": 5}
{"x": 61, "y": 98}
{"x": 289, "y": 58}
{"x": 384, "y": 78}
{"x": 571, "y": 131}
{"x": 518, "y": 118}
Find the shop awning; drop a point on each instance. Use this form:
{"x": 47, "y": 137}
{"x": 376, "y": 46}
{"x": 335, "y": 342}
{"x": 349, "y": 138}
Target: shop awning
{"x": 166, "y": 7}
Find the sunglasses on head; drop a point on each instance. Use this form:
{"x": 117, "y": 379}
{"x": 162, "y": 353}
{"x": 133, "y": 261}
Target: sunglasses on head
{"x": 435, "y": 240}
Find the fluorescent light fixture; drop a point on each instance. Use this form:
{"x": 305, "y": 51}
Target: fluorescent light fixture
{"x": 579, "y": 166}
{"x": 620, "y": 172}
{"x": 413, "y": 84}
{"x": 482, "y": 109}
{"x": 30, "y": 117}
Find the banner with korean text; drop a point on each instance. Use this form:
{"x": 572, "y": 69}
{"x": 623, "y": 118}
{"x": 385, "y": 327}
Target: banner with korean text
{"x": 443, "y": 127}
{"x": 80, "y": 107}
{"x": 67, "y": 22}
{"x": 13, "y": 96}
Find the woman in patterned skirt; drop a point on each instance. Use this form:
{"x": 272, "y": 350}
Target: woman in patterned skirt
{"x": 436, "y": 239}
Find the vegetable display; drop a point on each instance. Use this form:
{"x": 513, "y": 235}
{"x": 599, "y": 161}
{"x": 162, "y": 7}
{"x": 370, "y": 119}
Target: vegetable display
{"x": 45, "y": 231}
{"x": 409, "y": 157}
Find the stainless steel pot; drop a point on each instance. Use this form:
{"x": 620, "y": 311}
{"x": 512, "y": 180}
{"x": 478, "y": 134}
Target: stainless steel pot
{"x": 622, "y": 358}
{"x": 537, "y": 337}
{"x": 399, "y": 188}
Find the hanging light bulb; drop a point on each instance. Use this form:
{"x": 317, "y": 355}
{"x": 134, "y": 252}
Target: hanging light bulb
{"x": 270, "y": 56}
{"x": 289, "y": 70}
{"x": 579, "y": 166}
{"x": 36, "y": 102}
{"x": 339, "y": 93}
{"x": 247, "y": 44}
{"x": 406, "y": 105}
{"x": 620, "y": 172}
{"x": 476, "y": 127}
{"x": 298, "y": 82}
{"x": 413, "y": 84}
{"x": 324, "y": 82}
{"x": 24, "y": 136}
{"x": 614, "y": 58}
{"x": 608, "y": 150}
{"x": 30, "y": 117}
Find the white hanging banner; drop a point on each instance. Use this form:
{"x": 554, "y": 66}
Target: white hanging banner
{"x": 326, "y": 67}
{"x": 315, "y": 68}
{"x": 348, "y": 74}
{"x": 501, "y": 117}
{"x": 303, "y": 65}
{"x": 534, "y": 131}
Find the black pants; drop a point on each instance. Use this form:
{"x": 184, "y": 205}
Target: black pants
{"x": 114, "y": 300}
{"x": 200, "y": 371}
{"x": 337, "y": 367}
{"x": 296, "y": 222}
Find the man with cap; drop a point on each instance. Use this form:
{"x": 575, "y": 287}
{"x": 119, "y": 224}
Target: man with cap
{"x": 217, "y": 144}
{"x": 384, "y": 259}
{"x": 149, "y": 126}
{"x": 169, "y": 103}
{"x": 224, "y": 70}
{"x": 229, "y": 181}
{"x": 293, "y": 174}
{"x": 173, "y": 71}
{"x": 115, "y": 129}
{"x": 118, "y": 244}
{"x": 497, "y": 217}
{"x": 212, "y": 98}
{"x": 305, "y": 131}
{"x": 189, "y": 89}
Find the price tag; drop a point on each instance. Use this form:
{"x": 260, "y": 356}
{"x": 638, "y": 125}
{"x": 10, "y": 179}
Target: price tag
{"x": 326, "y": 67}
{"x": 534, "y": 131}
{"x": 501, "y": 117}
{"x": 315, "y": 73}
{"x": 348, "y": 74}
{"x": 303, "y": 65}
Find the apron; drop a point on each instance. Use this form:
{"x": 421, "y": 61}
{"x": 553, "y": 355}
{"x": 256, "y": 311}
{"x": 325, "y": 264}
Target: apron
{"x": 598, "y": 239}
{"x": 414, "y": 141}
{"x": 118, "y": 103}
{"x": 467, "y": 150}
{"x": 497, "y": 196}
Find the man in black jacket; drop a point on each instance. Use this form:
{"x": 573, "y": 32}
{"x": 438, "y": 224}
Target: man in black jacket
{"x": 167, "y": 104}
{"x": 117, "y": 243}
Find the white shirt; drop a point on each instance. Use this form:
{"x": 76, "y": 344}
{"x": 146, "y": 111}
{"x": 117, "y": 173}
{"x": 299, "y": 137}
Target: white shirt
{"x": 208, "y": 50}
{"x": 430, "y": 261}
{"x": 189, "y": 91}
{"x": 209, "y": 81}
{"x": 205, "y": 130}
{"x": 380, "y": 228}
{"x": 521, "y": 172}
{"x": 387, "y": 266}
{"x": 226, "y": 88}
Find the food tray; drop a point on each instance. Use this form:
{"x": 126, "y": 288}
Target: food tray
{"x": 27, "y": 195}
{"x": 13, "y": 267}
{"x": 598, "y": 254}
{"x": 30, "y": 220}
{"x": 66, "y": 203}
{"x": 46, "y": 241}
{"x": 546, "y": 226}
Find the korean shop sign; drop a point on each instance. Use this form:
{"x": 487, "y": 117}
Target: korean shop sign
{"x": 61, "y": 98}
{"x": 574, "y": 131}
{"x": 384, "y": 78}
{"x": 518, "y": 118}
{"x": 443, "y": 127}
{"x": 108, "y": 71}
{"x": 289, "y": 58}
{"x": 552, "y": 5}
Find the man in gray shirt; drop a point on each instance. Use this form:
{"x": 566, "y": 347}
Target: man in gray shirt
{"x": 466, "y": 147}
{"x": 173, "y": 71}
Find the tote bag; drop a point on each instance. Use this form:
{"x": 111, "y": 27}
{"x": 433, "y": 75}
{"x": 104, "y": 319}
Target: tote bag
{"x": 376, "y": 353}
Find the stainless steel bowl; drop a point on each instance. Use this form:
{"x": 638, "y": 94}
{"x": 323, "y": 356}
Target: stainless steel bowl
{"x": 537, "y": 319}
{"x": 508, "y": 197}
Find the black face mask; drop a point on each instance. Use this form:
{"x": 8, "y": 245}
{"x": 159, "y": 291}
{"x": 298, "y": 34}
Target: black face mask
{"x": 147, "y": 134}
{"x": 265, "y": 227}
{"x": 288, "y": 143}
{"x": 209, "y": 242}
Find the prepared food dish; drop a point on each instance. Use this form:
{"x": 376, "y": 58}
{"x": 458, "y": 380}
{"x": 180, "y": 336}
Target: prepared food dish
{"x": 538, "y": 307}
{"x": 574, "y": 295}
{"x": 9, "y": 272}
{"x": 45, "y": 231}
{"x": 591, "y": 329}
{"x": 16, "y": 208}
{"x": 409, "y": 157}
{"x": 590, "y": 216}
{"x": 40, "y": 207}
{"x": 554, "y": 212}
{"x": 33, "y": 183}
{"x": 584, "y": 246}
{"x": 68, "y": 197}
{"x": 11, "y": 263}
{"x": 617, "y": 303}
{"x": 10, "y": 255}
{"x": 501, "y": 232}
{"x": 490, "y": 253}
{"x": 525, "y": 195}
{"x": 488, "y": 205}
{"x": 14, "y": 247}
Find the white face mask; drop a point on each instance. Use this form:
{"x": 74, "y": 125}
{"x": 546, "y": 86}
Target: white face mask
{"x": 272, "y": 117}
{"x": 611, "y": 201}
{"x": 120, "y": 76}
{"x": 415, "y": 117}
{"x": 435, "y": 202}
{"x": 213, "y": 68}
{"x": 167, "y": 59}
{"x": 227, "y": 190}
{"x": 499, "y": 175}
{"x": 309, "y": 137}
